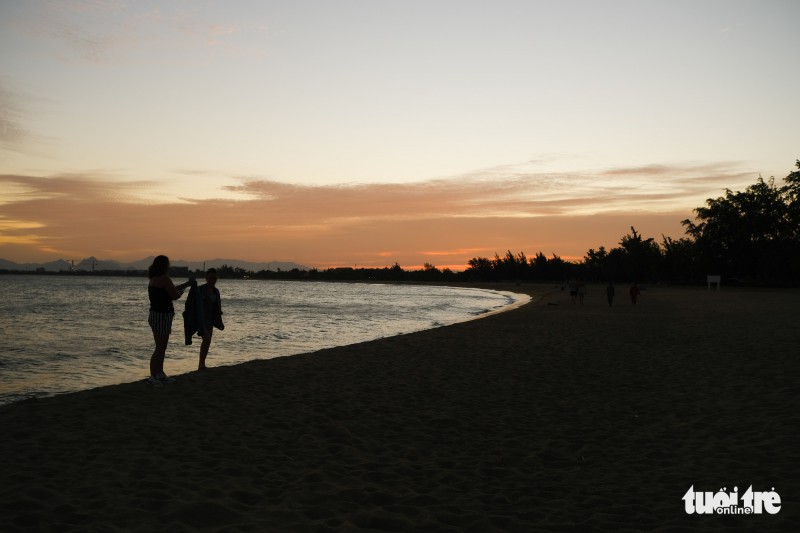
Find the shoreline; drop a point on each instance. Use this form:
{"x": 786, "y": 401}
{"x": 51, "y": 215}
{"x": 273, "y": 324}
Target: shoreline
{"x": 130, "y": 365}
{"x": 545, "y": 417}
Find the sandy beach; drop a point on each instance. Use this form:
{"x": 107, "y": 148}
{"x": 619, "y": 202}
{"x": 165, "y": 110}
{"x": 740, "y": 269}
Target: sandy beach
{"x": 550, "y": 417}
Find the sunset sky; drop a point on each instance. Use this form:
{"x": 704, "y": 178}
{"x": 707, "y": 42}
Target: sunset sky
{"x": 364, "y": 133}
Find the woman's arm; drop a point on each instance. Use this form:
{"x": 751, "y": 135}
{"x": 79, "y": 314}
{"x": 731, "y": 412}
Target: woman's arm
{"x": 173, "y": 291}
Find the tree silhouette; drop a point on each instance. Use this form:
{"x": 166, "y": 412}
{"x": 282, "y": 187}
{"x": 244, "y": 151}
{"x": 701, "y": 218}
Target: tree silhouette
{"x": 597, "y": 265}
{"x": 679, "y": 263}
{"x": 791, "y": 193}
{"x": 749, "y": 234}
{"x": 642, "y": 257}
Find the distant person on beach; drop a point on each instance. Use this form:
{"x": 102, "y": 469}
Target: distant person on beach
{"x": 610, "y": 293}
{"x": 162, "y": 292}
{"x": 203, "y": 313}
{"x": 573, "y": 289}
{"x": 634, "y": 292}
{"x": 581, "y": 290}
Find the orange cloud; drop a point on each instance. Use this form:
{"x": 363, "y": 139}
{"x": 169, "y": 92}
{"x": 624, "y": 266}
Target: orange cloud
{"x": 445, "y": 222}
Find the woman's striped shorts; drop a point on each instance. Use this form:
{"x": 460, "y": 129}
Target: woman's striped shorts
{"x": 160, "y": 323}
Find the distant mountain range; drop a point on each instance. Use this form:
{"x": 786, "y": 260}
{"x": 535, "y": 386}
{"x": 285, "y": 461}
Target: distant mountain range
{"x": 92, "y": 263}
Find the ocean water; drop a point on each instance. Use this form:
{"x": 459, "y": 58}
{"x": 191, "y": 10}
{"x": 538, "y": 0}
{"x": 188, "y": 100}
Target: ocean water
{"x": 62, "y": 333}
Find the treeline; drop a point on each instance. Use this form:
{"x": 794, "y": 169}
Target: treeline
{"x": 394, "y": 273}
{"x": 635, "y": 259}
{"x": 750, "y": 236}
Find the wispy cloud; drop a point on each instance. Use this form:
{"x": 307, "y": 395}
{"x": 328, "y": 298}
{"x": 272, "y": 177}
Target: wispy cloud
{"x": 16, "y": 108}
{"x": 112, "y": 32}
{"x": 13, "y": 132}
{"x": 509, "y": 191}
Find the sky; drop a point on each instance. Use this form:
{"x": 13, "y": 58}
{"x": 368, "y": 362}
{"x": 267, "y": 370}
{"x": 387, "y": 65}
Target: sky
{"x": 369, "y": 132}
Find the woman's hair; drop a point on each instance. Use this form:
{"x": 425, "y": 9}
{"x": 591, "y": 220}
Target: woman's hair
{"x": 160, "y": 266}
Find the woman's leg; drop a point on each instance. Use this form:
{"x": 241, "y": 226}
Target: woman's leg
{"x": 157, "y": 359}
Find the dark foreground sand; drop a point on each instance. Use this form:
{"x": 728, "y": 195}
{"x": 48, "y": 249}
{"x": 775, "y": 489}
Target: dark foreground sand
{"x": 550, "y": 417}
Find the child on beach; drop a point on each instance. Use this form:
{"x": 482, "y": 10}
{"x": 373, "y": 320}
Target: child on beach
{"x": 212, "y": 313}
{"x": 203, "y": 313}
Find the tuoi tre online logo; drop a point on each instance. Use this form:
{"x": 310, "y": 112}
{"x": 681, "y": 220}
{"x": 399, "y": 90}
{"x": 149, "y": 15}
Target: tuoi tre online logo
{"x": 723, "y": 502}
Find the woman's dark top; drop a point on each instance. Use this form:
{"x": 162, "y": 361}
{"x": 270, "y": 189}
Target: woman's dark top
{"x": 160, "y": 302}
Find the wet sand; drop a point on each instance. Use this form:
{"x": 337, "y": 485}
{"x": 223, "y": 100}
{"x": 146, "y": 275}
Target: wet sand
{"x": 550, "y": 417}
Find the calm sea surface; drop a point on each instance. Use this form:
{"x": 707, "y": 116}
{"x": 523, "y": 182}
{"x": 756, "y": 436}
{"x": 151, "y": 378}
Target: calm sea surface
{"x": 62, "y": 334}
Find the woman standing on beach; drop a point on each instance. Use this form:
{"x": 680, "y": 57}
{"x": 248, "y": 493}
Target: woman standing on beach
{"x": 162, "y": 292}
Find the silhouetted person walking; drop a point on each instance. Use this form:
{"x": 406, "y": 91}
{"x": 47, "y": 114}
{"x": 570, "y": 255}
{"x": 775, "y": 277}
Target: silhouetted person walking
{"x": 610, "y": 293}
{"x": 581, "y": 290}
{"x": 634, "y": 292}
